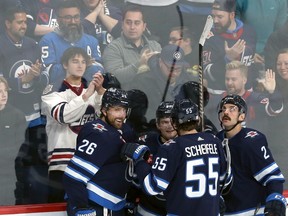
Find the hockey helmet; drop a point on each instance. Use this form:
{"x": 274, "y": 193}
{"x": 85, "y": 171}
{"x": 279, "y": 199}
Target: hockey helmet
{"x": 233, "y": 99}
{"x": 164, "y": 109}
{"x": 110, "y": 81}
{"x": 115, "y": 97}
{"x": 191, "y": 90}
{"x": 184, "y": 111}
{"x": 138, "y": 102}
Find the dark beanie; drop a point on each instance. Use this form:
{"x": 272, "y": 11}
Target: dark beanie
{"x": 224, "y": 5}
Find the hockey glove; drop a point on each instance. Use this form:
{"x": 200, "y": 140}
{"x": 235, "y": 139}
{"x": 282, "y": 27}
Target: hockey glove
{"x": 135, "y": 152}
{"x": 85, "y": 212}
{"x": 275, "y": 205}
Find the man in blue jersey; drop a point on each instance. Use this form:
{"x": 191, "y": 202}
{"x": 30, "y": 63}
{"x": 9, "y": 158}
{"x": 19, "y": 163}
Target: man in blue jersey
{"x": 155, "y": 205}
{"x": 68, "y": 34}
{"x": 258, "y": 181}
{"x": 187, "y": 169}
{"x": 97, "y": 179}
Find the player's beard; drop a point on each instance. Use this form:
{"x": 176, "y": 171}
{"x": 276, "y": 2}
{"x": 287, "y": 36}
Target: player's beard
{"x": 112, "y": 122}
{"x": 72, "y": 32}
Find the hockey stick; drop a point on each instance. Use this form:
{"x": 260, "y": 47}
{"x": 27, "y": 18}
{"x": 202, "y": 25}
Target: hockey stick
{"x": 174, "y": 59}
{"x": 206, "y": 30}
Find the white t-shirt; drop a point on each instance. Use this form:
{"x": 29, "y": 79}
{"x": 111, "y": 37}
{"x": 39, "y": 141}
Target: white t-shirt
{"x": 153, "y": 2}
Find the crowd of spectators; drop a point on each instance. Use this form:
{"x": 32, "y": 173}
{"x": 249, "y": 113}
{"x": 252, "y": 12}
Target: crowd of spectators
{"x": 148, "y": 48}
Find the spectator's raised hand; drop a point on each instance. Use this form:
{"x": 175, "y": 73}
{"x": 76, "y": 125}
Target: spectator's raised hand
{"x": 269, "y": 82}
{"x": 146, "y": 55}
{"x": 235, "y": 52}
{"x": 99, "y": 9}
{"x": 95, "y": 85}
{"x": 97, "y": 81}
{"x": 35, "y": 69}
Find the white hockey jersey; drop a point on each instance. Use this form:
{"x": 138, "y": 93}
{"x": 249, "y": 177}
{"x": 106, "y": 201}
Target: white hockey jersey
{"x": 66, "y": 113}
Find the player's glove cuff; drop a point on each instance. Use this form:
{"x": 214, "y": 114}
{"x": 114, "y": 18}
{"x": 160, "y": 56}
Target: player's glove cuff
{"x": 135, "y": 152}
{"x": 275, "y": 205}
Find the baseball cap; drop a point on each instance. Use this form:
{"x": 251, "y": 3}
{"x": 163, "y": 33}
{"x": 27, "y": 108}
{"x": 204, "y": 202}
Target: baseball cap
{"x": 172, "y": 53}
{"x": 224, "y": 5}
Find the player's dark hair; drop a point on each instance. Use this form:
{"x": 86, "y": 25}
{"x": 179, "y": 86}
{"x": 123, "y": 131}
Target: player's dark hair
{"x": 67, "y": 4}
{"x": 132, "y": 8}
{"x": 188, "y": 126}
{"x": 9, "y": 14}
{"x": 72, "y": 52}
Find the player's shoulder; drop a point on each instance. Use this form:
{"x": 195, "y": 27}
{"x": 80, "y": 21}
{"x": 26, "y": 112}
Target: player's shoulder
{"x": 151, "y": 139}
{"x": 251, "y": 137}
{"x": 251, "y": 133}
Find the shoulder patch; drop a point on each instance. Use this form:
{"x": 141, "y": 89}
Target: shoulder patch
{"x": 264, "y": 101}
{"x": 99, "y": 127}
{"x": 47, "y": 89}
{"x": 167, "y": 143}
{"x": 251, "y": 134}
{"x": 142, "y": 138}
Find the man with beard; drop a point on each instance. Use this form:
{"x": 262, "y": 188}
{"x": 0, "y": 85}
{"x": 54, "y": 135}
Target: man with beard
{"x": 261, "y": 105}
{"x": 258, "y": 182}
{"x": 228, "y": 40}
{"x": 68, "y": 34}
{"x": 97, "y": 179}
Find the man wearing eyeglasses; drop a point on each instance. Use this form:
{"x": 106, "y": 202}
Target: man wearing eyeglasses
{"x": 69, "y": 33}
{"x": 258, "y": 182}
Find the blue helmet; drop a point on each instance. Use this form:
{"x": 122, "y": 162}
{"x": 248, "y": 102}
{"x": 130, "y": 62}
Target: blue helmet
{"x": 115, "y": 97}
{"x": 184, "y": 111}
{"x": 164, "y": 109}
{"x": 233, "y": 99}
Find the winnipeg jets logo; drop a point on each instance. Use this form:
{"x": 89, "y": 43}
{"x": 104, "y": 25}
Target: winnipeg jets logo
{"x": 99, "y": 127}
{"x": 168, "y": 142}
{"x": 251, "y": 134}
{"x": 142, "y": 138}
{"x": 19, "y": 70}
{"x": 264, "y": 101}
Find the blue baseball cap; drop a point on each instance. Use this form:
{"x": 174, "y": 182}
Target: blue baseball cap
{"x": 173, "y": 54}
